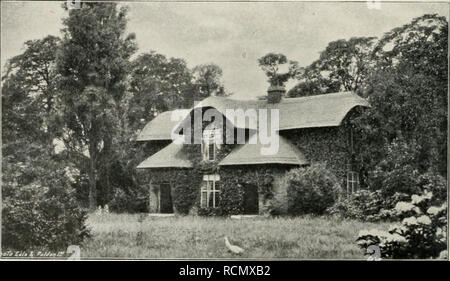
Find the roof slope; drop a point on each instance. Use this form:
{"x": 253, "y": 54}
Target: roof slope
{"x": 159, "y": 128}
{"x": 325, "y": 110}
{"x": 249, "y": 154}
{"x": 170, "y": 156}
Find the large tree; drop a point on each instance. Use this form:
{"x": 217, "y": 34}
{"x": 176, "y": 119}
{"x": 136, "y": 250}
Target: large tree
{"x": 157, "y": 84}
{"x": 407, "y": 90}
{"x": 30, "y": 85}
{"x": 342, "y": 66}
{"x": 93, "y": 63}
{"x": 272, "y": 64}
{"x": 207, "y": 81}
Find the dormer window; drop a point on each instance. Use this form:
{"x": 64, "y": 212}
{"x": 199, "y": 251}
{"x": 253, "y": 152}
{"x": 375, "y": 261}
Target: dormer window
{"x": 211, "y": 141}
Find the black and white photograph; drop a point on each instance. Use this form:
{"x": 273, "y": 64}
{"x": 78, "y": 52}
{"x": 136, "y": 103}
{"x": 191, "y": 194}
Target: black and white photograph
{"x": 215, "y": 130}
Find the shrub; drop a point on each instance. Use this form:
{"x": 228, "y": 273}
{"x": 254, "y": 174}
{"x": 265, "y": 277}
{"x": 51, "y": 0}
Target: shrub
{"x": 397, "y": 172}
{"x": 40, "y": 209}
{"x": 435, "y": 183}
{"x": 421, "y": 234}
{"x": 394, "y": 179}
{"x": 203, "y": 211}
{"x": 311, "y": 190}
{"x": 367, "y": 205}
{"x": 277, "y": 205}
{"x": 131, "y": 202}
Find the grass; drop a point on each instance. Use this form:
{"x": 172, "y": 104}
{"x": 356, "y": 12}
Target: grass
{"x": 140, "y": 236}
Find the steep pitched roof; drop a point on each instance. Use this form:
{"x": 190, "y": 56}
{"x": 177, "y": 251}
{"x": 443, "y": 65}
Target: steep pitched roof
{"x": 160, "y": 128}
{"x": 171, "y": 156}
{"x": 325, "y": 110}
{"x": 249, "y": 154}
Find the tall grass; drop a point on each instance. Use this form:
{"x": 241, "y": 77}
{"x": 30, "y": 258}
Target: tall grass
{"x": 140, "y": 236}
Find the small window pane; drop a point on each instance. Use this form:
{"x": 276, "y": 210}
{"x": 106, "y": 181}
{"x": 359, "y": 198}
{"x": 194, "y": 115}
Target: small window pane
{"x": 217, "y": 186}
{"x": 203, "y": 199}
{"x": 211, "y": 151}
{"x": 210, "y": 201}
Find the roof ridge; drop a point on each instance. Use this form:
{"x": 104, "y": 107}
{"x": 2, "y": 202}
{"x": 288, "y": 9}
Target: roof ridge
{"x": 325, "y": 110}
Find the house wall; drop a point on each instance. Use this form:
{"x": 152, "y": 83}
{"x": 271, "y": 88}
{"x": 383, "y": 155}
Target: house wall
{"x": 278, "y": 204}
{"x": 328, "y": 145}
{"x": 153, "y": 205}
{"x": 268, "y": 178}
{"x": 184, "y": 186}
{"x": 185, "y": 189}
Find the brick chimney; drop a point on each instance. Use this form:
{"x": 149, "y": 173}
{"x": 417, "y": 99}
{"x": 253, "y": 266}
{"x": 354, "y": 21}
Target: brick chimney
{"x": 275, "y": 93}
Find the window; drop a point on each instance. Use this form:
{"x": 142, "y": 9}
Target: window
{"x": 210, "y": 191}
{"x": 352, "y": 181}
{"x": 211, "y": 141}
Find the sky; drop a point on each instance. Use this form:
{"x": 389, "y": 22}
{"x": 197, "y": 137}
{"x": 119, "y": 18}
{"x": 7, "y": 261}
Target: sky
{"x": 232, "y": 35}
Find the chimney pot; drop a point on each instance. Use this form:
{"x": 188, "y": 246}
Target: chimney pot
{"x": 275, "y": 93}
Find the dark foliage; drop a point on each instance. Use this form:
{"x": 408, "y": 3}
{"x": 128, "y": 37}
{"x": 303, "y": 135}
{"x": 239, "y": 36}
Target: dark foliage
{"x": 40, "y": 209}
{"x": 311, "y": 190}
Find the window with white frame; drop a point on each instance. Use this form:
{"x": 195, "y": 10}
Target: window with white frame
{"x": 210, "y": 191}
{"x": 352, "y": 181}
{"x": 211, "y": 141}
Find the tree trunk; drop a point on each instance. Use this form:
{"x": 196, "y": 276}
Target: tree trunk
{"x": 91, "y": 174}
{"x": 107, "y": 160}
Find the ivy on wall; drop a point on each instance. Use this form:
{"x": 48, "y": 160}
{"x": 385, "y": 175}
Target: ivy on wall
{"x": 233, "y": 179}
{"x": 328, "y": 145}
{"x": 185, "y": 185}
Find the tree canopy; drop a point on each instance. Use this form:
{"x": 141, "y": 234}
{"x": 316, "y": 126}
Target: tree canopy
{"x": 271, "y": 64}
{"x": 93, "y": 62}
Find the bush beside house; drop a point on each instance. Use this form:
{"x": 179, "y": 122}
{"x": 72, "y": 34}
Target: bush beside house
{"x": 311, "y": 190}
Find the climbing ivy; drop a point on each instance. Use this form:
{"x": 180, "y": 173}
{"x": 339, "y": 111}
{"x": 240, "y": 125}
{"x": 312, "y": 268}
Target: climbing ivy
{"x": 327, "y": 144}
{"x": 185, "y": 184}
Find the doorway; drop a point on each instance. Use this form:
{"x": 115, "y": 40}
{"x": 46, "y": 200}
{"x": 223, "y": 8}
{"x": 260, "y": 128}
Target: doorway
{"x": 165, "y": 199}
{"x": 251, "y": 199}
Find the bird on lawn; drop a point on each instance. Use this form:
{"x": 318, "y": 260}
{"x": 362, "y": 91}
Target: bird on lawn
{"x": 234, "y": 249}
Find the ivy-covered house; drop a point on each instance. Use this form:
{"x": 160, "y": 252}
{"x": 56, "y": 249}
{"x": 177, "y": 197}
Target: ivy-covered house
{"x": 217, "y": 176}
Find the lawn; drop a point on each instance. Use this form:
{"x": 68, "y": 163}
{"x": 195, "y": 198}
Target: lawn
{"x": 141, "y": 236}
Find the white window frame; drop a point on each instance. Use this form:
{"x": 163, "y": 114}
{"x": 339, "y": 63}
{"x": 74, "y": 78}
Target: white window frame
{"x": 352, "y": 181}
{"x": 210, "y": 137}
{"x": 208, "y": 189}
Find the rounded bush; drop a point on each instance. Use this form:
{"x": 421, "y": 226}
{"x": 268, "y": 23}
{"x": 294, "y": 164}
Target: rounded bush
{"x": 311, "y": 190}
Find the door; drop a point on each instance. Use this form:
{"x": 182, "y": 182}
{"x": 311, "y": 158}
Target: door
{"x": 251, "y": 201}
{"x": 165, "y": 199}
